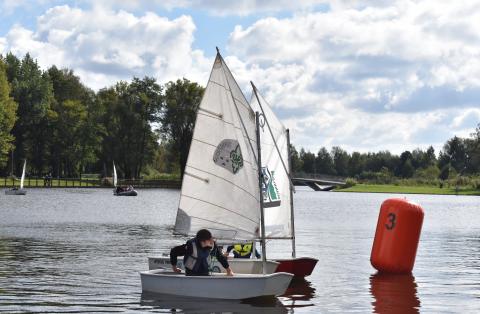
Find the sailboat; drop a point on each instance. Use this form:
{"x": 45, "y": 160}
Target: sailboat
{"x": 277, "y": 187}
{"x": 21, "y": 190}
{"x": 221, "y": 192}
{"x": 121, "y": 190}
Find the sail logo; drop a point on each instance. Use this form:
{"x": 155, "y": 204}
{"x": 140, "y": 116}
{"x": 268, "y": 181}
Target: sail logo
{"x": 271, "y": 195}
{"x": 229, "y": 155}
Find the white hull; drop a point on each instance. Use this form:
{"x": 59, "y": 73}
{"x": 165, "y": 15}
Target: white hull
{"x": 217, "y": 286}
{"x": 239, "y": 266}
{"x": 16, "y": 192}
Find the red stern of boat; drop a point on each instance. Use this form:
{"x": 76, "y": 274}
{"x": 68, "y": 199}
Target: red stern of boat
{"x": 299, "y": 267}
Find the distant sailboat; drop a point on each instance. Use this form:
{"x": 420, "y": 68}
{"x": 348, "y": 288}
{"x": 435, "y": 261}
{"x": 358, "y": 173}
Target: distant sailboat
{"x": 21, "y": 190}
{"x": 121, "y": 190}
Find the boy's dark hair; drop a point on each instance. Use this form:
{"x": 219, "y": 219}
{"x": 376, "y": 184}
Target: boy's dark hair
{"x": 203, "y": 235}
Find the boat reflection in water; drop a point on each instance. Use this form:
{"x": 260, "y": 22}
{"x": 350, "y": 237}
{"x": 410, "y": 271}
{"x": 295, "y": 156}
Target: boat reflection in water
{"x": 394, "y": 293}
{"x": 299, "y": 293}
{"x": 200, "y": 305}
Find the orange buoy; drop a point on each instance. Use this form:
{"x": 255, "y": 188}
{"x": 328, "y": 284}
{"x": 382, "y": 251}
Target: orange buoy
{"x": 397, "y": 235}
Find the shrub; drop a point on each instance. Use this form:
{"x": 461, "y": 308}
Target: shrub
{"x": 350, "y": 182}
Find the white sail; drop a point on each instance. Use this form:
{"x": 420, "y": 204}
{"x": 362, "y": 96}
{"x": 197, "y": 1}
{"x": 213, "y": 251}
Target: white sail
{"x": 23, "y": 174}
{"x": 220, "y": 188}
{"x": 114, "y": 175}
{"x": 276, "y": 182}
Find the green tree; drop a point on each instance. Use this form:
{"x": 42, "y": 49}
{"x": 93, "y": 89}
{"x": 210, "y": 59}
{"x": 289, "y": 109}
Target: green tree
{"x": 308, "y": 160}
{"x": 182, "y": 99}
{"x": 296, "y": 162}
{"x": 75, "y": 124}
{"x": 341, "y": 160}
{"x": 32, "y": 90}
{"x": 444, "y": 172}
{"x": 8, "y": 109}
{"x": 455, "y": 153}
{"x": 129, "y": 112}
{"x": 356, "y": 164}
{"x": 324, "y": 162}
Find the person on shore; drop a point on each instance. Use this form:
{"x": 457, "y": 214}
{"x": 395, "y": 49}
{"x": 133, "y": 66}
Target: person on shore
{"x": 196, "y": 253}
{"x": 242, "y": 250}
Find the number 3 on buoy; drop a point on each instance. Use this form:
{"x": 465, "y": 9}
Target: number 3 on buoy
{"x": 391, "y": 221}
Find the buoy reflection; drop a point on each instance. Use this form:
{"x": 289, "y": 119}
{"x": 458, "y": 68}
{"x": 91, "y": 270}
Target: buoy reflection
{"x": 394, "y": 293}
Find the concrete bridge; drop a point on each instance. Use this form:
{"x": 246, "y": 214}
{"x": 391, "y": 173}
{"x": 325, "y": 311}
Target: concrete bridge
{"x": 318, "y": 182}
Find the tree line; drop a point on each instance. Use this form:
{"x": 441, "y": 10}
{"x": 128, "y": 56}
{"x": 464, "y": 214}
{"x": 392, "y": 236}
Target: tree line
{"x": 459, "y": 156}
{"x": 62, "y": 127}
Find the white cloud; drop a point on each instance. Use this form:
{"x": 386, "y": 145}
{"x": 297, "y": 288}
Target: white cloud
{"x": 104, "y": 46}
{"x": 367, "y": 77}
{"x": 216, "y": 7}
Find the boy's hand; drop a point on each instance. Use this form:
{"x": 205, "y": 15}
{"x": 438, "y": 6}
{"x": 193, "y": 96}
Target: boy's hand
{"x": 176, "y": 269}
{"x": 230, "y": 272}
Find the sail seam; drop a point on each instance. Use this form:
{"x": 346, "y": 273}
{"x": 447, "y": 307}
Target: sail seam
{"x": 226, "y": 122}
{"x": 219, "y": 115}
{"x": 197, "y": 177}
{"x": 223, "y": 224}
{"x": 229, "y": 210}
{"x": 232, "y": 183}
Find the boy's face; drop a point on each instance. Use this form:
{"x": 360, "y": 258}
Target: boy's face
{"x": 208, "y": 244}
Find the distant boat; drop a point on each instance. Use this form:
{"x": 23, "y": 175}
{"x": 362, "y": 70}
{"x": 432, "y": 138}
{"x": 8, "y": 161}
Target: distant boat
{"x": 21, "y": 190}
{"x": 122, "y": 190}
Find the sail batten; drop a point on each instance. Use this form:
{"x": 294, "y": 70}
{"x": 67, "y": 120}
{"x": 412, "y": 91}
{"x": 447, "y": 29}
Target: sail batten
{"x": 221, "y": 154}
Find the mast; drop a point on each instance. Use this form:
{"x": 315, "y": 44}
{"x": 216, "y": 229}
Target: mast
{"x": 260, "y": 179}
{"x": 292, "y": 211}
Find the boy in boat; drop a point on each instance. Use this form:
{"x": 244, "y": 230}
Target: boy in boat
{"x": 242, "y": 250}
{"x": 196, "y": 253}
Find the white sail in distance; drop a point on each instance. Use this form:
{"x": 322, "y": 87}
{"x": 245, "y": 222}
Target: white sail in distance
{"x": 276, "y": 182}
{"x": 114, "y": 175}
{"x": 23, "y": 174}
{"x": 220, "y": 189}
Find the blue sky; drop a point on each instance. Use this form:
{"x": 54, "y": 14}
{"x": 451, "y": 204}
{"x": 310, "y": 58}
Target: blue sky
{"x": 364, "y": 75}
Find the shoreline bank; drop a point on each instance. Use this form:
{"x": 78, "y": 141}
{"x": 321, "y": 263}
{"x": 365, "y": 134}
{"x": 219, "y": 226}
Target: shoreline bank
{"x": 402, "y": 189}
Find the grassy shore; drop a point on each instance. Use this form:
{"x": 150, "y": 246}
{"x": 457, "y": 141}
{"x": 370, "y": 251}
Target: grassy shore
{"x": 386, "y": 188}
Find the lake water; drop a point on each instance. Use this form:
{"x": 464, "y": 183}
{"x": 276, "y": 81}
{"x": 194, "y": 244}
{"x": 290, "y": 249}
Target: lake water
{"x": 74, "y": 250}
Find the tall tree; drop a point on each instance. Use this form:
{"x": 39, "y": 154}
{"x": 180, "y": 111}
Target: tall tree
{"x": 75, "y": 128}
{"x": 129, "y": 112}
{"x": 455, "y": 153}
{"x": 182, "y": 99}
{"x": 296, "y": 162}
{"x": 32, "y": 90}
{"x": 324, "y": 162}
{"x": 356, "y": 164}
{"x": 8, "y": 109}
{"x": 340, "y": 161}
